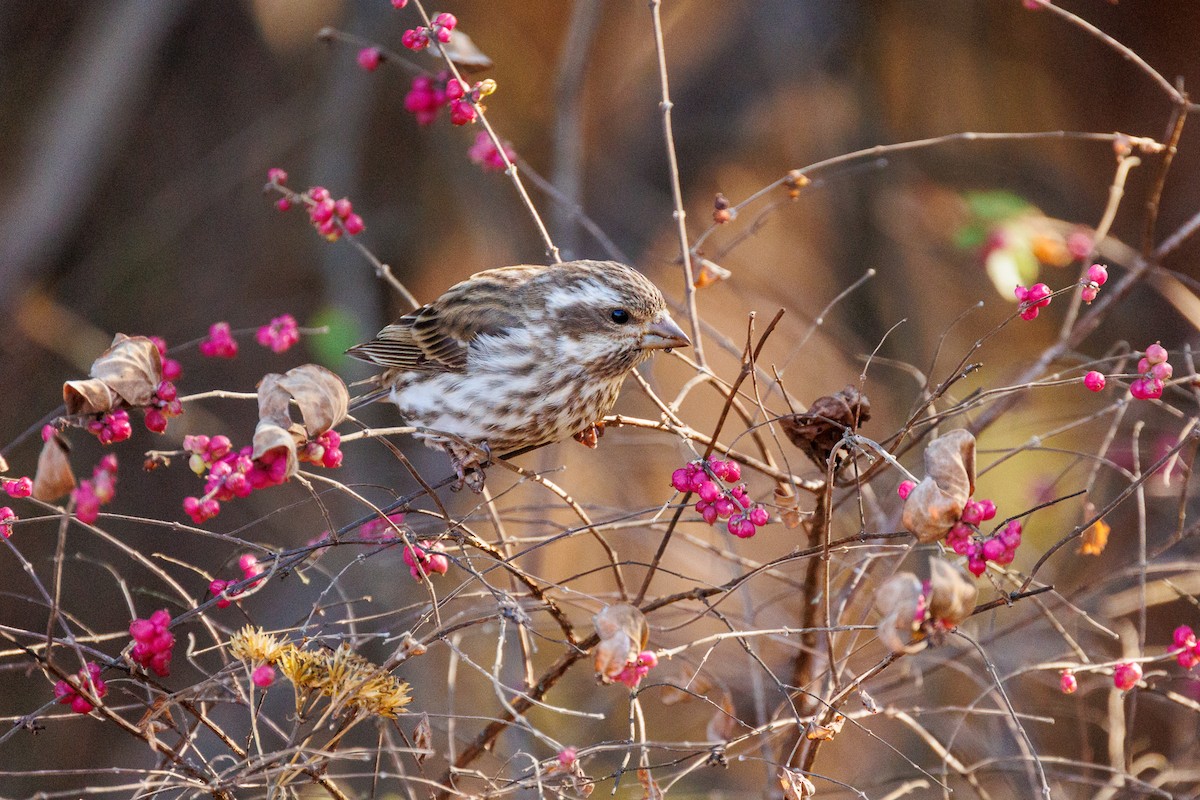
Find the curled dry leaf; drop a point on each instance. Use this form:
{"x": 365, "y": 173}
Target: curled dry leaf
{"x": 623, "y": 634}
{"x": 129, "y": 371}
{"x": 323, "y": 400}
{"x": 828, "y": 730}
{"x": 53, "y": 478}
{"x": 650, "y": 788}
{"x": 952, "y": 593}
{"x": 709, "y": 273}
{"x": 819, "y": 431}
{"x": 936, "y": 503}
{"x": 899, "y": 600}
{"x": 795, "y": 785}
{"x": 465, "y": 54}
{"x": 788, "y": 503}
{"x": 423, "y": 738}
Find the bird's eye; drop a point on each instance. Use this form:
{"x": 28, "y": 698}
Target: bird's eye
{"x": 620, "y": 316}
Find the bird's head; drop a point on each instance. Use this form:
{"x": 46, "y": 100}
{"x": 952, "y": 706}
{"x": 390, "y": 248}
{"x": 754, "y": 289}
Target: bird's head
{"x": 608, "y": 316}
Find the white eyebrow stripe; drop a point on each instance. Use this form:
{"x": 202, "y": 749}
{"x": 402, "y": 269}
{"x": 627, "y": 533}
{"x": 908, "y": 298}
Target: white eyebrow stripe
{"x": 587, "y": 292}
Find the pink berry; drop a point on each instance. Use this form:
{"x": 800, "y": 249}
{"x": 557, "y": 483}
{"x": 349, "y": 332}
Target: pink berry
{"x": 733, "y": 471}
{"x": 398, "y": 4}
{"x": 455, "y": 89}
{"x": 1163, "y": 371}
{"x": 1094, "y": 381}
{"x": 905, "y": 489}
{"x": 759, "y": 516}
{"x": 1089, "y": 293}
{"x": 1079, "y": 244}
{"x": 263, "y": 676}
{"x": 322, "y": 211}
{"x": 993, "y": 549}
{"x": 1067, "y": 682}
{"x": 462, "y": 112}
{"x": 354, "y": 224}
{"x": 724, "y": 507}
{"x": 681, "y": 480}
{"x": 415, "y": 39}
{"x": 1097, "y": 274}
{"x": 343, "y": 207}
{"x": 445, "y": 20}
{"x": 276, "y": 175}
{"x": 977, "y": 566}
{"x": 1126, "y": 675}
{"x": 567, "y": 756}
{"x": 156, "y": 421}
{"x": 709, "y": 492}
{"x": 369, "y": 58}
{"x": 1156, "y": 353}
{"x": 1184, "y": 636}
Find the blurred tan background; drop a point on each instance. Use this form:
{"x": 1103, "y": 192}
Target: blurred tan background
{"x": 137, "y": 135}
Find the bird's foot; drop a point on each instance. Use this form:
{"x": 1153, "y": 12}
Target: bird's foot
{"x": 469, "y": 469}
{"x": 590, "y": 436}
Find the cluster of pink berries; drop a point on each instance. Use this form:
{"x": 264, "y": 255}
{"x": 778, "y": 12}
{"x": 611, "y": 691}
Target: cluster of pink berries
{"x": 431, "y": 93}
{"x": 1153, "y": 369}
{"x": 421, "y": 37}
{"x": 220, "y": 342}
{"x": 89, "y": 676}
{"x": 7, "y": 518}
{"x": 163, "y": 405}
{"x": 325, "y": 450}
{"x": 21, "y": 487}
{"x": 330, "y": 217}
{"x": 485, "y": 154}
{"x": 1186, "y": 646}
{"x": 171, "y": 369}
{"x": 153, "y": 642}
{"x": 1097, "y": 276}
{"x": 637, "y": 669}
{"x": 744, "y": 518}
{"x": 1032, "y": 299}
{"x": 111, "y": 427}
{"x": 1126, "y": 675}
{"x": 97, "y": 491}
{"x": 233, "y": 473}
{"x": 220, "y": 588}
{"x": 425, "y": 559}
{"x": 965, "y": 538}
{"x": 280, "y": 334}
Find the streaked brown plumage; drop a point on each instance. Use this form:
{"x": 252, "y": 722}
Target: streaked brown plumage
{"x": 520, "y": 356}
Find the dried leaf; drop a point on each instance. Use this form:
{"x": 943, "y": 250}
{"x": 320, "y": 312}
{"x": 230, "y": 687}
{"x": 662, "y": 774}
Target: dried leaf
{"x": 826, "y": 732}
{"x": 89, "y": 397}
{"x": 819, "y": 431}
{"x": 788, "y": 504}
{"x": 899, "y": 600}
{"x": 423, "y": 738}
{"x": 709, "y": 273}
{"x": 462, "y": 51}
{"x": 269, "y": 436}
{"x": 3, "y": 465}
{"x": 723, "y": 724}
{"x": 623, "y": 634}
{"x": 936, "y": 503}
{"x": 650, "y": 789}
{"x": 952, "y": 593}
{"x": 53, "y": 478}
{"x": 132, "y": 368}
{"x": 673, "y": 693}
{"x": 1095, "y": 538}
{"x": 795, "y": 785}
{"x": 321, "y": 395}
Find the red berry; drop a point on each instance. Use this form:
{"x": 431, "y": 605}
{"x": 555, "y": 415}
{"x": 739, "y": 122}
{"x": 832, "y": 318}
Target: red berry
{"x": 369, "y": 58}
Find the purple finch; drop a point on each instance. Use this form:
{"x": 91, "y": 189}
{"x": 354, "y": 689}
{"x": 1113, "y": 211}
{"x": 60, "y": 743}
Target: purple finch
{"x": 520, "y": 356}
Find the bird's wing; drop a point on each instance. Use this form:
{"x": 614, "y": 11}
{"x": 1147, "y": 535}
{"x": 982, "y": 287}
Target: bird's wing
{"x": 436, "y": 337}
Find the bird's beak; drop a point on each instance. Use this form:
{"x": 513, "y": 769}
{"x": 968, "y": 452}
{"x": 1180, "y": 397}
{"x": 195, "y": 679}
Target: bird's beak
{"x": 663, "y": 334}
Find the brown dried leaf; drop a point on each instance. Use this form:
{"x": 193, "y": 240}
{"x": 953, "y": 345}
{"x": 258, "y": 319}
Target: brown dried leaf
{"x": 672, "y": 693}
{"x": 463, "y": 52}
{"x": 819, "y": 431}
{"x": 132, "y": 368}
{"x": 1095, "y": 538}
{"x": 322, "y": 396}
{"x": 53, "y": 478}
{"x": 788, "y": 503}
{"x": 623, "y": 634}
{"x": 795, "y": 785}
{"x": 650, "y": 789}
{"x": 723, "y": 724}
{"x": 92, "y": 396}
{"x": 936, "y": 503}
{"x": 709, "y": 273}
{"x": 898, "y": 600}
{"x": 952, "y": 593}
{"x": 423, "y": 738}
{"x": 827, "y": 731}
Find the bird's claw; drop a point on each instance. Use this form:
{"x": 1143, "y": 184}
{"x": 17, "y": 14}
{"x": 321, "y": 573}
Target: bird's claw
{"x": 590, "y": 436}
